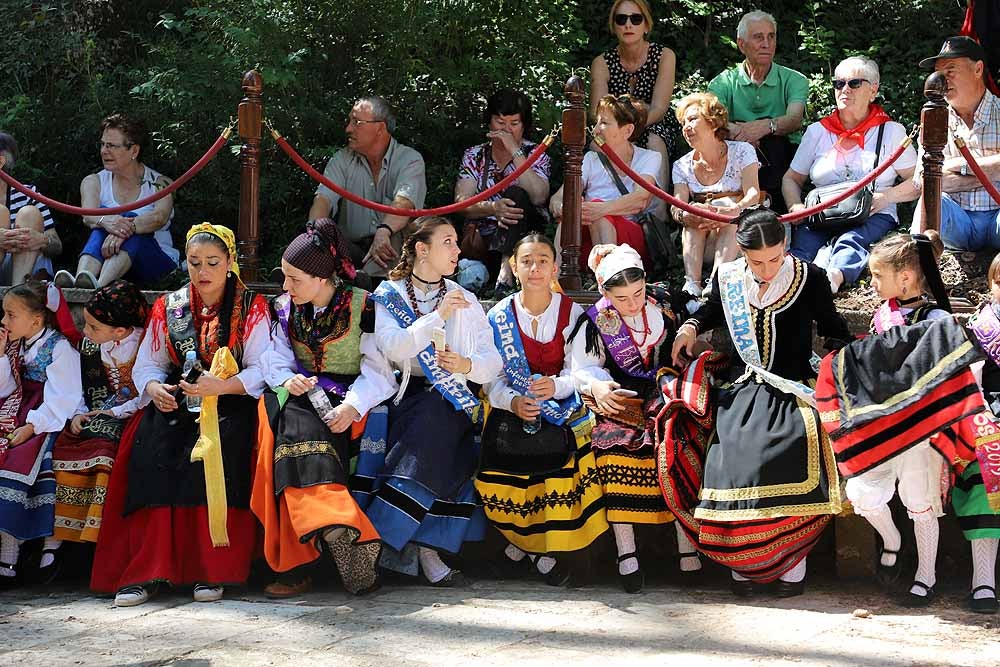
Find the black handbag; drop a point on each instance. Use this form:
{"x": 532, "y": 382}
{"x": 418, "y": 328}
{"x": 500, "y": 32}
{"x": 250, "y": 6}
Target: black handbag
{"x": 850, "y": 212}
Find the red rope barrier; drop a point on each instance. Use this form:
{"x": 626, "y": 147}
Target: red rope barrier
{"x": 977, "y": 170}
{"x": 413, "y": 212}
{"x": 718, "y": 217}
{"x": 77, "y": 210}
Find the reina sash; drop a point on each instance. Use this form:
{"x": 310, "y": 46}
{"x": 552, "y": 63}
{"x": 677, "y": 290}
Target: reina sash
{"x": 446, "y": 383}
{"x": 618, "y": 340}
{"x": 283, "y": 309}
{"x": 736, "y": 305}
{"x": 507, "y": 338}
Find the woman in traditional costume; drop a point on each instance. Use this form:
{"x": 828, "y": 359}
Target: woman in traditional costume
{"x": 770, "y": 482}
{"x": 178, "y": 504}
{"x": 423, "y": 501}
{"x": 40, "y": 389}
{"x": 627, "y": 336}
{"x": 538, "y": 479}
{"x": 84, "y": 453}
{"x": 324, "y": 342}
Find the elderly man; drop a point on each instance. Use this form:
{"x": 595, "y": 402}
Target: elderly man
{"x": 28, "y": 237}
{"x": 377, "y": 167}
{"x": 970, "y": 219}
{"x": 766, "y": 101}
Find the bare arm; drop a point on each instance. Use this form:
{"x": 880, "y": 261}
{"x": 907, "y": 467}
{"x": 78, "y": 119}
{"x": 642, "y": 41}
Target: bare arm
{"x": 630, "y": 204}
{"x": 754, "y": 130}
{"x": 147, "y": 223}
{"x": 53, "y": 244}
{"x": 663, "y": 89}
{"x": 791, "y": 188}
{"x": 599, "y": 76}
{"x": 321, "y": 207}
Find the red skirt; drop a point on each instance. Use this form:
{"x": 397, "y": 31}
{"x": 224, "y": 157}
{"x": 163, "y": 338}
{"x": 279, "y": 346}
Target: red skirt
{"x": 628, "y": 232}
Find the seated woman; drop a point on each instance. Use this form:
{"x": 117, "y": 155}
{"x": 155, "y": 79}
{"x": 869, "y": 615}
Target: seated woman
{"x": 626, "y": 338}
{"x": 718, "y": 175}
{"x": 611, "y": 200}
{"x": 520, "y": 209}
{"x": 84, "y": 453}
{"x": 168, "y": 518}
{"x": 770, "y": 484}
{"x": 28, "y": 237}
{"x": 843, "y": 147}
{"x": 136, "y": 244}
{"x": 40, "y": 386}
{"x": 423, "y": 494}
{"x": 323, "y": 347}
{"x": 537, "y": 476}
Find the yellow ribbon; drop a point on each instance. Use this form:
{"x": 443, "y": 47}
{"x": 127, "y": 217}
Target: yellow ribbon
{"x": 221, "y": 232}
{"x": 208, "y": 449}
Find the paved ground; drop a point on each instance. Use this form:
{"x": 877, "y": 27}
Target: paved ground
{"x": 497, "y": 623}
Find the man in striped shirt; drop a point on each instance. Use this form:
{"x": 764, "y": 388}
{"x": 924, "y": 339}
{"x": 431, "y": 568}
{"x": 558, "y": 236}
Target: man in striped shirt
{"x": 28, "y": 237}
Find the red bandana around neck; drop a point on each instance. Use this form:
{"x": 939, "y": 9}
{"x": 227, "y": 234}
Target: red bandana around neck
{"x": 876, "y": 116}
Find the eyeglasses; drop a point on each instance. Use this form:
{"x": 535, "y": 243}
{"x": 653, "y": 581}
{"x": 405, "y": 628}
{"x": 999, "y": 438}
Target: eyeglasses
{"x": 101, "y": 145}
{"x": 352, "y": 121}
{"x": 622, "y": 19}
{"x": 838, "y": 84}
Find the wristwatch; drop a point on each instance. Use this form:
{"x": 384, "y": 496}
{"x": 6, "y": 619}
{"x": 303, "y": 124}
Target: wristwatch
{"x": 771, "y": 123}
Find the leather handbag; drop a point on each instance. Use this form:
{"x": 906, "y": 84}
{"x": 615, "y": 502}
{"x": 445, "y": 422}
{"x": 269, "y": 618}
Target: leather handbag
{"x": 850, "y": 212}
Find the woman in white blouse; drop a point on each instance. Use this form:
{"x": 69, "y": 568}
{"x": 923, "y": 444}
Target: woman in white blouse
{"x": 40, "y": 388}
{"x": 436, "y": 334}
{"x": 841, "y": 148}
{"x": 163, "y": 513}
{"x": 717, "y": 175}
{"x": 328, "y": 373}
{"x": 538, "y": 479}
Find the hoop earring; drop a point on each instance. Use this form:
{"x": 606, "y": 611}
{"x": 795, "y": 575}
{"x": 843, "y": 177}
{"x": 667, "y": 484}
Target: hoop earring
{"x": 229, "y": 274}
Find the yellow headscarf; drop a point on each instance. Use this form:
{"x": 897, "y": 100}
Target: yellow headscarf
{"x": 221, "y": 232}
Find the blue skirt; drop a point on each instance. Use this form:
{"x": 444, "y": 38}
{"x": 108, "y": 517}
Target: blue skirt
{"x": 28, "y": 489}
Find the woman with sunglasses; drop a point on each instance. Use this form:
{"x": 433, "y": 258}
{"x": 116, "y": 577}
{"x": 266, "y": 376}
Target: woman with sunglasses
{"x": 641, "y": 68}
{"x": 135, "y": 244}
{"x": 842, "y": 148}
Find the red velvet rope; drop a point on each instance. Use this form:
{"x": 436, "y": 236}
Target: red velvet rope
{"x": 77, "y": 210}
{"x": 718, "y": 217}
{"x": 413, "y": 212}
{"x": 977, "y": 170}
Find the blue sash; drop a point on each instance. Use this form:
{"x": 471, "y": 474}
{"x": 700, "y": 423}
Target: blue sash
{"x": 507, "y": 338}
{"x": 455, "y": 392}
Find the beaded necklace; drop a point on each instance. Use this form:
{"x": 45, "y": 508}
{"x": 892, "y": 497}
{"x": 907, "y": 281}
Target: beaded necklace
{"x": 412, "y": 294}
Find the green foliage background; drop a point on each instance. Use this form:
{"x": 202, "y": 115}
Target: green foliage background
{"x": 179, "y": 66}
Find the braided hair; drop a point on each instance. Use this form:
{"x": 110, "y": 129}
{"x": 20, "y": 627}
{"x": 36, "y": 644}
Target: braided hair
{"x": 425, "y": 227}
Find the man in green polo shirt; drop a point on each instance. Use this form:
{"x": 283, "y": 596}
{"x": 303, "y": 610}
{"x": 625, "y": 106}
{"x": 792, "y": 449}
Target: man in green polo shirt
{"x": 766, "y": 101}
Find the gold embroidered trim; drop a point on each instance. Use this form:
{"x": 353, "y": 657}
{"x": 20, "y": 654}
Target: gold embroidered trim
{"x": 712, "y": 538}
{"x": 829, "y": 416}
{"x": 771, "y": 312}
{"x": 754, "y": 553}
{"x": 67, "y": 495}
{"x": 304, "y": 449}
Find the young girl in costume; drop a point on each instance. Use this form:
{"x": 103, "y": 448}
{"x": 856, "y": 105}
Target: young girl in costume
{"x": 423, "y": 499}
{"x": 539, "y": 489}
{"x": 40, "y": 386}
{"x": 627, "y": 337}
{"x": 114, "y": 322}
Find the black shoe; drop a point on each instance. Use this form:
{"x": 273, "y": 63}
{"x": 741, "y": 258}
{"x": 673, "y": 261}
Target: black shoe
{"x": 454, "y": 579}
{"x": 790, "y": 589}
{"x": 558, "y": 576}
{"x": 887, "y": 575}
{"x": 634, "y": 581}
{"x": 914, "y": 601}
{"x": 983, "y": 605}
{"x": 741, "y": 589}
{"x": 505, "y": 568}
{"x": 47, "y": 574}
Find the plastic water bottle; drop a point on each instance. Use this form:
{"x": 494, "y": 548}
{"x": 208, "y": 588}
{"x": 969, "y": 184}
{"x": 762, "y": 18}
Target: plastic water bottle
{"x": 533, "y": 426}
{"x": 190, "y": 361}
{"x": 320, "y": 401}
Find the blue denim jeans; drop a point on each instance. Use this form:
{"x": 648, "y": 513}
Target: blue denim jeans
{"x": 847, "y": 251}
{"x": 969, "y": 230}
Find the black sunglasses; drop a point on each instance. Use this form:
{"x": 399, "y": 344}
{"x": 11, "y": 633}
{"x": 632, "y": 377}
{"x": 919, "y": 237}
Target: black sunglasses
{"x": 838, "y": 84}
{"x": 622, "y": 19}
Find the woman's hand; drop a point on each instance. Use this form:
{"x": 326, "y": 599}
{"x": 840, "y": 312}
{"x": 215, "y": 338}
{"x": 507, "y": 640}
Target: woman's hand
{"x": 608, "y": 402}
{"x": 343, "y": 416}
{"x": 544, "y": 388}
{"x": 525, "y": 408}
{"x": 506, "y": 213}
{"x": 117, "y": 225}
{"x": 4, "y": 338}
{"x": 592, "y": 211}
{"x": 452, "y": 301}
{"x": 299, "y": 384}
{"x": 207, "y": 385}
{"x": 453, "y": 362}
{"x": 77, "y": 423}
{"x": 112, "y": 246}
{"x": 506, "y": 139}
{"x": 880, "y": 202}
{"x": 162, "y": 395}
{"x": 21, "y": 434}
{"x": 684, "y": 345}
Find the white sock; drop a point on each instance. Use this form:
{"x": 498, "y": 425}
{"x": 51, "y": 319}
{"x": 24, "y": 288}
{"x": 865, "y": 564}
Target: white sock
{"x": 984, "y": 564}
{"x": 544, "y": 564}
{"x": 48, "y": 559}
{"x": 434, "y": 568}
{"x": 881, "y": 521}
{"x": 737, "y": 576}
{"x": 514, "y": 553}
{"x": 684, "y": 546}
{"x": 10, "y": 548}
{"x": 625, "y": 539}
{"x": 926, "y": 532}
{"x": 796, "y": 574}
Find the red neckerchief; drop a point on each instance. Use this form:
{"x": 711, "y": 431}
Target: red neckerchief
{"x": 876, "y": 116}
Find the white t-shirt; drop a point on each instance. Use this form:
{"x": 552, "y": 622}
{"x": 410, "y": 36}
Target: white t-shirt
{"x": 598, "y": 184}
{"x": 741, "y": 155}
{"x": 826, "y": 165}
